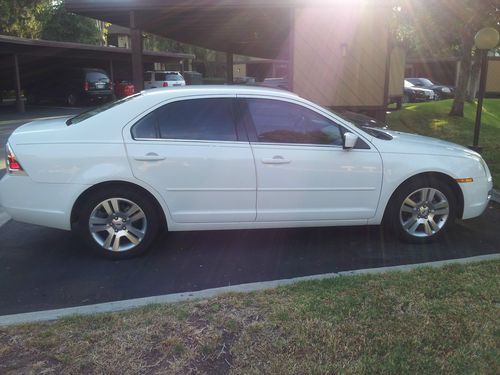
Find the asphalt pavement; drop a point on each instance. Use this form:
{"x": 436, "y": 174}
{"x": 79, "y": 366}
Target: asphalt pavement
{"x": 43, "y": 268}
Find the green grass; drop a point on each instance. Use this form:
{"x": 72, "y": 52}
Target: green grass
{"x": 428, "y": 321}
{"x": 432, "y": 119}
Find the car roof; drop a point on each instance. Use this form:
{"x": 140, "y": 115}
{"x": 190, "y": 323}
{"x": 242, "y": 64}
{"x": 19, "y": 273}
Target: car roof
{"x": 219, "y": 90}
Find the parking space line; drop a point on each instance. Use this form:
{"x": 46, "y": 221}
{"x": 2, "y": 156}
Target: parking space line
{"x": 4, "y": 218}
{"x": 47, "y": 315}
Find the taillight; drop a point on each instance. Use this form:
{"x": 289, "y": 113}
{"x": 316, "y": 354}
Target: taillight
{"x": 13, "y": 164}
{"x": 85, "y": 86}
{"x": 165, "y": 84}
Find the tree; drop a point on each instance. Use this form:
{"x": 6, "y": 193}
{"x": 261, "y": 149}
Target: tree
{"x": 442, "y": 28}
{"x": 68, "y": 27}
{"x": 23, "y": 18}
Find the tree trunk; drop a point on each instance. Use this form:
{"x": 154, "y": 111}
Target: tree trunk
{"x": 472, "y": 88}
{"x": 457, "y": 109}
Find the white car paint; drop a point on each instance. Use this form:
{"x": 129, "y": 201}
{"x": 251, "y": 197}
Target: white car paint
{"x": 203, "y": 185}
{"x": 156, "y": 79}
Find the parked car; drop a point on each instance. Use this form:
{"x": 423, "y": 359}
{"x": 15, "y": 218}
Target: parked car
{"x": 124, "y": 88}
{"x": 440, "y": 91}
{"x": 231, "y": 157}
{"x": 156, "y": 79}
{"x": 362, "y": 120}
{"x": 276, "y": 83}
{"x": 412, "y": 93}
{"x": 71, "y": 86}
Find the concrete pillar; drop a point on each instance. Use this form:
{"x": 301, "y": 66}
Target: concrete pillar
{"x": 19, "y": 98}
{"x": 136, "y": 46}
{"x": 229, "y": 68}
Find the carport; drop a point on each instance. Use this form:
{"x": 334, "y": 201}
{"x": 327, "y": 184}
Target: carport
{"x": 338, "y": 51}
{"x": 20, "y": 57}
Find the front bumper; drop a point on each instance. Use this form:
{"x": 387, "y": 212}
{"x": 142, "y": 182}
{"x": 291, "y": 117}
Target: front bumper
{"x": 476, "y": 196}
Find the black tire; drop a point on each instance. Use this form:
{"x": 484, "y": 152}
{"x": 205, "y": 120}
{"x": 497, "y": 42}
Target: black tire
{"x": 432, "y": 212}
{"x": 92, "y": 207}
{"x": 405, "y": 99}
{"x": 71, "y": 99}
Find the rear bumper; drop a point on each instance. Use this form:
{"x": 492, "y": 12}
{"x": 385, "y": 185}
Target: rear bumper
{"x": 476, "y": 196}
{"x": 38, "y": 203}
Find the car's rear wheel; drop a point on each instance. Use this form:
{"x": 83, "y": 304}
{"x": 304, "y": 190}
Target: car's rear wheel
{"x": 71, "y": 99}
{"x": 405, "y": 99}
{"x": 119, "y": 223}
{"x": 421, "y": 210}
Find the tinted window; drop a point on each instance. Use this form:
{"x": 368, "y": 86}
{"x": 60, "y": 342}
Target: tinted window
{"x": 96, "y": 77}
{"x": 281, "y": 122}
{"x": 145, "y": 127}
{"x": 168, "y": 77}
{"x": 202, "y": 119}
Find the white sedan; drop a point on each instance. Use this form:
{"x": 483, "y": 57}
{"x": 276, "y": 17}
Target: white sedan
{"x": 206, "y": 158}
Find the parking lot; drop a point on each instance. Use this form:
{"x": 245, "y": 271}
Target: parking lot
{"x": 43, "y": 268}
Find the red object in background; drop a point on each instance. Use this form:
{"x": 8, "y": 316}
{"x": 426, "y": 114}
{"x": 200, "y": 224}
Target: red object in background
{"x": 123, "y": 89}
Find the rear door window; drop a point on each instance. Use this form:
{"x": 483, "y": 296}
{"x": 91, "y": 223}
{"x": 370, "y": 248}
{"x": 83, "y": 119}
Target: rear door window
{"x": 198, "y": 119}
{"x": 94, "y": 77}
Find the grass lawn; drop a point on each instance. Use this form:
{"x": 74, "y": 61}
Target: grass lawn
{"x": 432, "y": 119}
{"x": 427, "y": 321}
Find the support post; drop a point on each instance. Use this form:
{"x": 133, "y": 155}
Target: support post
{"x": 182, "y": 67}
{"x": 112, "y": 78}
{"x": 229, "y": 67}
{"x": 19, "y": 99}
{"x": 291, "y": 48}
{"x": 480, "y": 97}
{"x": 136, "y": 45}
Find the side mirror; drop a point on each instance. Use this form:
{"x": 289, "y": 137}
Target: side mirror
{"x": 350, "y": 140}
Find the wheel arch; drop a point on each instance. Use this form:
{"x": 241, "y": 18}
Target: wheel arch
{"x": 117, "y": 184}
{"x": 433, "y": 176}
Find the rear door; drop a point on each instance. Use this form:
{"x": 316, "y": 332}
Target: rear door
{"x": 194, "y": 154}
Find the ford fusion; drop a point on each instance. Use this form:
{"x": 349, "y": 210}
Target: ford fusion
{"x": 234, "y": 157}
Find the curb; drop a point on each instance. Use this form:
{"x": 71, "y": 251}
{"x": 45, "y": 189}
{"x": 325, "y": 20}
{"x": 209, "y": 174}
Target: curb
{"x": 48, "y": 315}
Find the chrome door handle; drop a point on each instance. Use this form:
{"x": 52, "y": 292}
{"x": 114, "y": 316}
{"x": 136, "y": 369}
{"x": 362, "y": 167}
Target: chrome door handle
{"x": 150, "y": 156}
{"x": 277, "y": 159}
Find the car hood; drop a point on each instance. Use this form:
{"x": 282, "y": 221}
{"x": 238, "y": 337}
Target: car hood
{"x": 40, "y": 131}
{"x": 407, "y": 143}
{"x": 414, "y": 88}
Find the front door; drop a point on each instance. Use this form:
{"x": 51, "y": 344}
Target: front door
{"x": 303, "y": 172}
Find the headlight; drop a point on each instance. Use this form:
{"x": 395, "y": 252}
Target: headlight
{"x": 446, "y": 90}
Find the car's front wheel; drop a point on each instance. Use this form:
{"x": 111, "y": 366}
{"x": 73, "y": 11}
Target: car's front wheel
{"x": 120, "y": 223}
{"x": 421, "y": 210}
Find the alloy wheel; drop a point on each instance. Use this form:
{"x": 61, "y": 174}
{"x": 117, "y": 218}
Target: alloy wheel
{"x": 118, "y": 224}
{"x": 424, "y": 212}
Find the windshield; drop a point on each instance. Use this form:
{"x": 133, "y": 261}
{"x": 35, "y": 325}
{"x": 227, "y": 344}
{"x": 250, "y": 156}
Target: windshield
{"x": 168, "y": 77}
{"x": 426, "y": 82}
{"x": 366, "y": 123}
{"x": 96, "y": 76}
{"x": 94, "y": 111}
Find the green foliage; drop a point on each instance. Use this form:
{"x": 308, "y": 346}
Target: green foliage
{"x": 68, "y": 27}
{"x": 23, "y": 18}
{"x": 436, "y": 28}
{"x": 431, "y": 119}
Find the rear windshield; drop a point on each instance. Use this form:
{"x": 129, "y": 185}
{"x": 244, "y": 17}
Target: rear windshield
{"x": 168, "y": 77}
{"x": 94, "y": 111}
{"x": 96, "y": 77}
